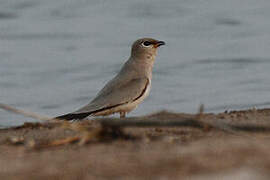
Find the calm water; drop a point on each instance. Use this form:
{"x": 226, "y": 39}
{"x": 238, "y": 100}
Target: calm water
{"x": 56, "y": 55}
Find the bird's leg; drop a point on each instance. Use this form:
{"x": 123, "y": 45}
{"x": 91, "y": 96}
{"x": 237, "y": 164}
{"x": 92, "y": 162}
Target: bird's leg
{"x": 122, "y": 114}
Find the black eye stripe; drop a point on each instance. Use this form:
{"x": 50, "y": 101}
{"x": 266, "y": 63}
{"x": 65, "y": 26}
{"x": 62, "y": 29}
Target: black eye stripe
{"x": 147, "y": 43}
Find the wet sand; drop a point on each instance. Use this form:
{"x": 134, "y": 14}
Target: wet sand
{"x": 86, "y": 150}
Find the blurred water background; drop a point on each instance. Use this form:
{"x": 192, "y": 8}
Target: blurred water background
{"x": 56, "y": 55}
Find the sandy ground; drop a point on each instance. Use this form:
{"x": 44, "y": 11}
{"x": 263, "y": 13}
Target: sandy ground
{"x": 84, "y": 150}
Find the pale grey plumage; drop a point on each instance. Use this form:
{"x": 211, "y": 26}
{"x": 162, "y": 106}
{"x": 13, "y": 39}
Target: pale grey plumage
{"x": 128, "y": 88}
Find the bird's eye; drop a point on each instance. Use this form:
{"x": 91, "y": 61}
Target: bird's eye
{"x": 146, "y": 43}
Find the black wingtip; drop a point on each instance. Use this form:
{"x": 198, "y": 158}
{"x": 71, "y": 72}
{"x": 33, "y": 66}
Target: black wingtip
{"x": 70, "y": 116}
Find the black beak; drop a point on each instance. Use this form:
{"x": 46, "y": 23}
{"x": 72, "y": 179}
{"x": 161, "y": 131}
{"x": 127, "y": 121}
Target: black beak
{"x": 160, "y": 43}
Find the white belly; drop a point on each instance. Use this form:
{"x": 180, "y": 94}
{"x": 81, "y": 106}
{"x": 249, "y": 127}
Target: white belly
{"x": 130, "y": 106}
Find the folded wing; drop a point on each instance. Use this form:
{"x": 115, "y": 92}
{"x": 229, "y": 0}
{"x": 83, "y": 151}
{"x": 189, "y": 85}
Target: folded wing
{"x": 112, "y": 95}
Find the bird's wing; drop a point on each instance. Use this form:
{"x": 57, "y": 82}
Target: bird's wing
{"x": 116, "y": 94}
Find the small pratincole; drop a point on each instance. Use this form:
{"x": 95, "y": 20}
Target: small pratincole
{"x": 128, "y": 88}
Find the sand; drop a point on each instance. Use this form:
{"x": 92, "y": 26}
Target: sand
{"x": 86, "y": 150}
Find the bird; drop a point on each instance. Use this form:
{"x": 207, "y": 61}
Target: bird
{"x": 128, "y": 88}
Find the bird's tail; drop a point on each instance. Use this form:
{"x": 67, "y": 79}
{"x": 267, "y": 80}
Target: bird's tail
{"x": 73, "y": 116}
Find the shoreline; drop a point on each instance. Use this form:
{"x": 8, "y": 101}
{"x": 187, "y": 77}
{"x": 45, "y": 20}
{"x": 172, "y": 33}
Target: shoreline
{"x": 84, "y": 149}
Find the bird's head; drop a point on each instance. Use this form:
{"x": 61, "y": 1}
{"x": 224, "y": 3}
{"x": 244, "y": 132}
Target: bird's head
{"x": 146, "y": 48}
